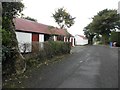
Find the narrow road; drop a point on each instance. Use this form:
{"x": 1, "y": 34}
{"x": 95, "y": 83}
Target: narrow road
{"x": 86, "y": 67}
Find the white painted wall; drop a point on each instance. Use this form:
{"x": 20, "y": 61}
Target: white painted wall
{"x": 80, "y": 41}
{"x": 72, "y": 41}
{"x": 23, "y": 38}
{"x": 41, "y": 37}
{"x": 55, "y": 38}
{"x": 41, "y": 40}
{"x": 73, "y": 44}
{"x": 64, "y": 39}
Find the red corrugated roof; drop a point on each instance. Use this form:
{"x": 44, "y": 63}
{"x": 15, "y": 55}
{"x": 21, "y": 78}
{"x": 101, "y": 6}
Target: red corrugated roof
{"x": 31, "y": 26}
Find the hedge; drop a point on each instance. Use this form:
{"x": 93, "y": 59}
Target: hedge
{"x": 51, "y": 49}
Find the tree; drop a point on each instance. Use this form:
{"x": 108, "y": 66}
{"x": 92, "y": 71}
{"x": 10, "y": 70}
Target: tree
{"x": 9, "y": 11}
{"x": 63, "y": 18}
{"x": 89, "y": 34}
{"x": 105, "y": 22}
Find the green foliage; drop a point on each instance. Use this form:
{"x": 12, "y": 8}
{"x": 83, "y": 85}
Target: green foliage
{"x": 50, "y": 50}
{"x": 10, "y": 53}
{"x": 11, "y": 9}
{"x": 55, "y": 48}
{"x": 0, "y": 36}
{"x": 0, "y": 21}
{"x": 89, "y": 34}
{"x": 103, "y": 23}
{"x": 63, "y": 18}
{"x": 6, "y": 36}
{"x": 7, "y": 61}
{"x": 115, "y": 37}
{"x": 29, "y": 18}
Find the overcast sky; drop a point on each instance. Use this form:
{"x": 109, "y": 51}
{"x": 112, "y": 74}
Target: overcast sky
{"x": 83, "y": 10}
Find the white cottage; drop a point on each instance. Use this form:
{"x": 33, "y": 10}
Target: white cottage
{"x": 80, "y": 40}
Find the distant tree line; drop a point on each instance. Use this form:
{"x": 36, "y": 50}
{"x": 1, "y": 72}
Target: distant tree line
{"x": 29, "y": 18}
{"x": 103, "y": 24}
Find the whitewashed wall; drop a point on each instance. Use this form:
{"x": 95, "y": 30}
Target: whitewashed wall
{"x": 64, "y": 39}
{"x": 72, "y": 41}
{"x": 23, "y": 38}
{"x": 41, "y": 37}
{"x": 80, "y": 41}
{"x": 41, "y": 40}
{"x": 73, "y": 44}
{"x": 55, "y": 38}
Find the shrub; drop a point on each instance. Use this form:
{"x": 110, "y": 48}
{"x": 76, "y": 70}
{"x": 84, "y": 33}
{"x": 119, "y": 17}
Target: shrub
{"x": 48, "y": 49}
{"x": 7, "y": 61}
{"x": 6, "y": 37}
{"x": 35, "y": 47}
{"x": 52, "y": 48}
{"x": 115, "y": 37}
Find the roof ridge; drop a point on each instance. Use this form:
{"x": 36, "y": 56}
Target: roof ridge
{"x": 31, "y": 26}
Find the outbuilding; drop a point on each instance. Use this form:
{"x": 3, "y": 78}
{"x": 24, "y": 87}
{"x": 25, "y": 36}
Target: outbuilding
{"x": 29, "y": 32}
{"x": 80, "y": 40}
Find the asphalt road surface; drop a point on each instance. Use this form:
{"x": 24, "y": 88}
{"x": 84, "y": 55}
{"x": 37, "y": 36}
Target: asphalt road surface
{"x": 86, "y": 67}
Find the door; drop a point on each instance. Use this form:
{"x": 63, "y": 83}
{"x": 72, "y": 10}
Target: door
{"x": 35, "y": 42}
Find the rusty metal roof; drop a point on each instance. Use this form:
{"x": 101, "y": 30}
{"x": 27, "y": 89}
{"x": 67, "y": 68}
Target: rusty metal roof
{"x": 25, "y": 25}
